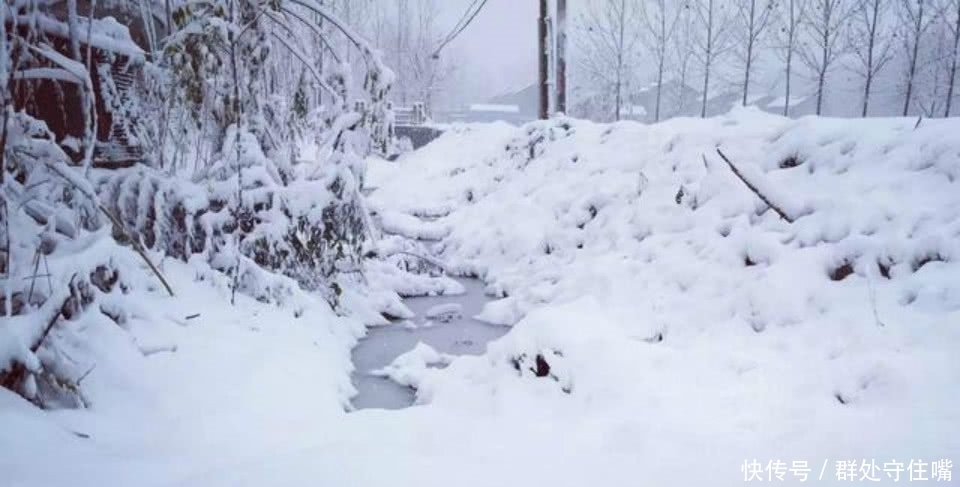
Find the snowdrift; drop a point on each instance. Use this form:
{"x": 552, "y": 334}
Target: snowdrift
{"x": 645, "y": 278}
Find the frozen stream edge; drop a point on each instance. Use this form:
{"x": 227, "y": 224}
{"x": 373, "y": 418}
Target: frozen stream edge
{"x": 462, "y": 336}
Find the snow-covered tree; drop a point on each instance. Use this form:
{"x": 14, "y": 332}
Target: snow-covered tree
{"x": 230, "y": 89}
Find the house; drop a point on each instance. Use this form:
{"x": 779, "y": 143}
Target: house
{"x": 54, "y": 95}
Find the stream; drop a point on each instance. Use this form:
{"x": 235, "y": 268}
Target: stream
{"x": 459, "y": 336}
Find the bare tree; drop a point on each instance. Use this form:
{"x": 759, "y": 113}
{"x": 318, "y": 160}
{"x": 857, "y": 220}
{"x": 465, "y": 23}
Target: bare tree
{"x": 682, "y": 53}
{"x": 427, "y": 72}
{"x": 660, "y": 19}
{"x": 714, "y": 22}
{"x": 916, "y": 18}
{"x": 952, "y": 7}
{"x": 788, "y": 41}
{"x": 402, "y": 29}
{"x": 931, "y": 81}
{"x": 872, "y": 42}
{"x": 607, "y": 42}
{"x": 824, "y": 24}
{"x": 754, "y": 17}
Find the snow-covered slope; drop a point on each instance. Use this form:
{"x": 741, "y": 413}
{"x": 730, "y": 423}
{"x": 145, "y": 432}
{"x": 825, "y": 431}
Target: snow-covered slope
{"x": 187, "y": 383}
{"x": 656, "y": 285}
{"x": 662, "y": 337}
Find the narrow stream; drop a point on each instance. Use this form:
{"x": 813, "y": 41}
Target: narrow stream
{"x": 460, "y": 336}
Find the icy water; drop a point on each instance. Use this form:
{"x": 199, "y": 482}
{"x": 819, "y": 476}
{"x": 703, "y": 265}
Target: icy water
{"x": 461, "y": 336}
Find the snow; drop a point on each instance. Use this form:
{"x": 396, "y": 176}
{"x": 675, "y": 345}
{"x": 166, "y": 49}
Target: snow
{"x": 398, "y": 223}
{"x": 445, "y": 312}
{"x": 106, "y": 34}
{"x": 658, "y": 335}
{"x": 489, "y": 107}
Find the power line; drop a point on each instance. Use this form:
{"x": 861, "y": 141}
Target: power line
{"x": 462, "y": 24}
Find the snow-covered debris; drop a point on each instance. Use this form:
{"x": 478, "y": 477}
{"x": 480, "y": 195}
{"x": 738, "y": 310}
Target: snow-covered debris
{"x": 410, "y": 368}
{"x": 396, "y": 223}
{"x": 445, "y": 312}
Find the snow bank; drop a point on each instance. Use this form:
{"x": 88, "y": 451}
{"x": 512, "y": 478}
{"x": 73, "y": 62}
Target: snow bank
{"x": 186, "y": 381}
{"x": 668, "y": 324}
{"x": 649, "y": 283}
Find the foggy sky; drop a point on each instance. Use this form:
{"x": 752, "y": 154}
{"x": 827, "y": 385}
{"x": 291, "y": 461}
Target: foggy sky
{"x": 498, "y": 51}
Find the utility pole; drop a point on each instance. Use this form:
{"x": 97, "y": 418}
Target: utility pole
{"x": 562, "y": 56}
{"x": 543, "y": 56}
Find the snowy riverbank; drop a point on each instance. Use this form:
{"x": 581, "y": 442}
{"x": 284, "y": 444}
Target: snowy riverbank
{"x": 667, "y": 326}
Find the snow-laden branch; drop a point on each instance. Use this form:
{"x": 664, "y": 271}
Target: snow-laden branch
{"x": 371, "y": 55}
{"x": 80, "y": 72}
{"x": 303, "y": 59}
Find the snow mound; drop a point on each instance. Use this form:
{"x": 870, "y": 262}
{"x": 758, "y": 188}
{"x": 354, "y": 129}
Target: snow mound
{"x": 445, "y": 312}
{"x": 410, "y": 368}
{"x": 646, "y": 279}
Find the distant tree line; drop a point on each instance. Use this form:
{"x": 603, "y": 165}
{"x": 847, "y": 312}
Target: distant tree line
{"x": 675, "y": 50}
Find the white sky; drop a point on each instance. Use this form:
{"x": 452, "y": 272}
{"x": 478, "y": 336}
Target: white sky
{"x": 498, "y": 50}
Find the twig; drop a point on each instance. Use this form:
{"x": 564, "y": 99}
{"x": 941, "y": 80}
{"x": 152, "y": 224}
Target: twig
{"x": 873, "y": 303}
{"x": 85, "y": 374}
{"x": 148, "y": 351}
{"x": 137, "y": 247}
{"x": 58, "y": 311}
{"x": 754, "y": 188}
{"x": 915, "y": 127}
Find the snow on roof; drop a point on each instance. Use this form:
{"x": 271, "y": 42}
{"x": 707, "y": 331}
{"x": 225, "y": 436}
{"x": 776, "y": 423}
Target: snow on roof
{"x": 490, "y": 107}
{"x": 106, "y": 34}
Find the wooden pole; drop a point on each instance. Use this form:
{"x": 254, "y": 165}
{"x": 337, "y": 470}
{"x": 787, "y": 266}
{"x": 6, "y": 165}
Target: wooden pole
{"x": 544, "y": 62}
{"x": 562, "y": 56}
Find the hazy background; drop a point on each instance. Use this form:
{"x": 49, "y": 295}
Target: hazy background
{"x": 496, "y": 53}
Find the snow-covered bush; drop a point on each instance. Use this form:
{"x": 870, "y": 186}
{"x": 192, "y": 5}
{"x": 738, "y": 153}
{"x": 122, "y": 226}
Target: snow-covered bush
{"x": 245, "y": 168}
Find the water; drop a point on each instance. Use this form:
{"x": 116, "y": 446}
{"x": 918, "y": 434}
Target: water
{"x": 461, "y": 336}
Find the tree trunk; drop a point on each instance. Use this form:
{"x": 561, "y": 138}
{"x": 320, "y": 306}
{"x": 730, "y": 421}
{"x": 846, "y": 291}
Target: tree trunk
{"x": 620, "y": 55}
{"x": 791, "y": 41}
{"x": 824, "y": 61}
{"x": 562, "y": 56}
{"x": 543, "y": 61}
{"x": 786, "y": 102}
{"x": 750, "y": 36}
{"x": 656, "y": 113}
{"x": 708, "y": 58}
{"x": 953, "y": 63}
{"x": 912, "y": 71}
{"x": 870, "y": 45}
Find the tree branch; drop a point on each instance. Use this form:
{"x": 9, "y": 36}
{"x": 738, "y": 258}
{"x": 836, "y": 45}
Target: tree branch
{"x": 753, "y": 188}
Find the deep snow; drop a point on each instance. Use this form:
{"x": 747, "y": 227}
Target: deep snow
{"x": 686, "y": 328}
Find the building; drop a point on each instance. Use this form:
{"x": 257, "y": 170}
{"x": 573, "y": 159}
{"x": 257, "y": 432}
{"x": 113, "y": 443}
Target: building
{"x": 46, "y": 88}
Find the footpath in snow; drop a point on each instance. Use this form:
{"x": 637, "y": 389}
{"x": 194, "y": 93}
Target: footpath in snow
{"x": 667, "y": 326}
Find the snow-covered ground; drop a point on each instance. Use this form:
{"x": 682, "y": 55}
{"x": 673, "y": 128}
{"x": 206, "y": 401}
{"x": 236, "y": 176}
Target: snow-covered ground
{"x": 668, "y": 326}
